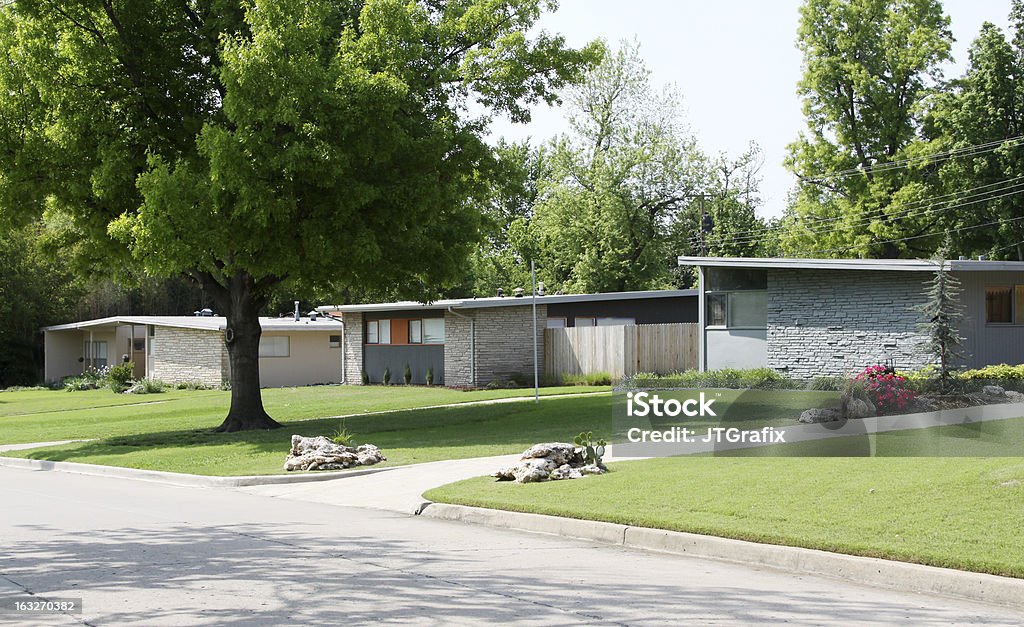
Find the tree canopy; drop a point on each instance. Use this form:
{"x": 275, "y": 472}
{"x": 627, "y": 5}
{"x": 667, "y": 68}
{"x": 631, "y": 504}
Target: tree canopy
{"x": 247, "y": 143}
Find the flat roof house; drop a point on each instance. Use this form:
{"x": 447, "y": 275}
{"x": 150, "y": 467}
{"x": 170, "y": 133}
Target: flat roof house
{"x": 177, "y": 349}
{"x": 474, "y": 341}
{"x": 827, "y": 317}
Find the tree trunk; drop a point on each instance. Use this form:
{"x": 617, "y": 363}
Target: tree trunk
{"x": 242, "y": 336}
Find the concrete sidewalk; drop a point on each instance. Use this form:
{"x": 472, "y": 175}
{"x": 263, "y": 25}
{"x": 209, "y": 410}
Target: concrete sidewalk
{"x": 399, "y": 489}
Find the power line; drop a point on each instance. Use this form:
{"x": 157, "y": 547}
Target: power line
{"x": 913, "y": 237}
{"x": 916, "y": 209}
{"x": 903, "y": 163}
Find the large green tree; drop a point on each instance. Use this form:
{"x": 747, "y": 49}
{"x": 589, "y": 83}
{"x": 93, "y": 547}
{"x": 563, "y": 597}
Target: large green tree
{"x": 972, "y": 152}
{"x": 617, "y": 182}
{"x": 868, "y": 66}
{"x": 245, "y": 143}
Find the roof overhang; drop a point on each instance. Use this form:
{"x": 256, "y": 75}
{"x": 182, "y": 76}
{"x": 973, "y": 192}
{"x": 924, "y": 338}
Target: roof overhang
{"x": 507, "y": 301}
{"x": 898, "y": 265}
{"x": 202, "y": 323}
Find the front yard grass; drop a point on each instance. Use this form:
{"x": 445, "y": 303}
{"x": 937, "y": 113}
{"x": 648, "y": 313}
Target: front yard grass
{"x": 48, "y": 415}
{"x": 406, "y": 437}
{"x": 955, "y": 512}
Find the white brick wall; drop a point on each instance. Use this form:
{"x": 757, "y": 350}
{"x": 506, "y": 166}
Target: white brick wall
{"x": 353, "y": 348}
{"x": 189, "y": 355}
{"x": 504, "y": 344}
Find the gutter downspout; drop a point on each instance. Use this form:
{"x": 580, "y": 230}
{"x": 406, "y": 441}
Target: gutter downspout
{"x": 472, "y": 344}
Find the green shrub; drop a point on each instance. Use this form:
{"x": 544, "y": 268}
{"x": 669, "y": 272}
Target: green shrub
{"x": 192, "y": 385}
{"x": 147, "y": 386}
{"x": 1002, "y": 372}
{"x": 430, "y": 376}
{"x": 27, "y": 388}
{"x": 225, "y": 385}
{"x": 78, "y": 384}
{"x": 592, "y": 379}
{"x": 731, "y": 378}
{"x": 121, "y": 374}
{"x": 343, "y": 436}
{"x": 518, "y": 380}
{"x": 366, "y": 378}
{"x": 387, "y": 376}
{"x": 828, "y": 384}
{"x": 407, "y": 374}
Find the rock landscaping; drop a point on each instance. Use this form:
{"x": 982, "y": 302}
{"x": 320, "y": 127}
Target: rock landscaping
{"x": 320, "y": 453}
{"x": 551, "y": 461}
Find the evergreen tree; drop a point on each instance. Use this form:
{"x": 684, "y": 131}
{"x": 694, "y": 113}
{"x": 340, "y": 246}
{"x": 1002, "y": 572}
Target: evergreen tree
{"x": 943, "y": 314}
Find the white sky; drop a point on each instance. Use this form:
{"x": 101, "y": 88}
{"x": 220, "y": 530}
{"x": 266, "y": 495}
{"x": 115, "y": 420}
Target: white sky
{"x": 735, "y": 62}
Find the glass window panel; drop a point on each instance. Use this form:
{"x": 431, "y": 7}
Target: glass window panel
{"x": 716, "y": 310}
{"x": 748, "y": 309}
{"x": 274, "y": 346}
{"x": 433, "y": 330}
{"x": 585, "y": 321}
{"x": 384, "y": 332}
{"x": 415, "y": 331}
{"x": 1018, "y": 304}
{"x": 998, "y": 304}
{"x": 372, "y": 332}
{"x": 730, "y": 279}
{"x": 556, "y": 323}
{"x": 615, "y": 322}
{"x": 334, "y": 341}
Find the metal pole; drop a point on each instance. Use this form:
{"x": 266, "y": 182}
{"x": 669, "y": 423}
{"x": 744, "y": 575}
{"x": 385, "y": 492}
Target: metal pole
{"x": 536, "y": 370}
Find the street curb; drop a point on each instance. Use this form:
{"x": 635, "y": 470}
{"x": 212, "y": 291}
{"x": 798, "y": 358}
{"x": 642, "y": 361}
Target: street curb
{"x": 182, "y": 479}
{"x": 892, "y": 575}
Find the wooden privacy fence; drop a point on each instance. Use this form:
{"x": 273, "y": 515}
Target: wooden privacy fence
{"x": 621, "y": 350}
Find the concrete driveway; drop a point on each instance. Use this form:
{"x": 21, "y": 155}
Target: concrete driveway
{"x": 153, "y": 554}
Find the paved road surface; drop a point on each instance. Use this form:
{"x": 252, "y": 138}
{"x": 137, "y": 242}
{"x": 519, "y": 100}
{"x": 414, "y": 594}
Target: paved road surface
{"x": 152, "y": 554}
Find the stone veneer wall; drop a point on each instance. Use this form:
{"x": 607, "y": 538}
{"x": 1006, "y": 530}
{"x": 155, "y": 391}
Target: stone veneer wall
{"x": 352, "y": 345}
{"x": 837, "y": 322}
{"x": 189, "y": 355}
{"x": 504, "y": 344}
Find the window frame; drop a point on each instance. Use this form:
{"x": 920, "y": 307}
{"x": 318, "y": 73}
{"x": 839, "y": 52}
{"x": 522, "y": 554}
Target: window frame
{"x": 434, "y": 342}
{"x": 576, "y": 321}
{"x": 419, "y": 323}
{"x": 1012, "y": 302}
{"x": 564, "y": 319}
{"x": 334, "y": 343}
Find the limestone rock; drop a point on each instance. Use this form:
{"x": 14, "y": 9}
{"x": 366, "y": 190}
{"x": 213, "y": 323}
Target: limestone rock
{"x": 993, "y": 390}
{"x": 816, "y": 415}
{"x": 1014, "y": 397}
{"x": 320, "y": 453}
{"x": 553, "y": 460}
{"x": 859, "y": 408}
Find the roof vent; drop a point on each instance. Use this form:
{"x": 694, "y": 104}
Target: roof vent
{"x": 963, "y": 257}
{"x": 540, "y": 288}
{"x": 501, "y": 293}
{"x": 518, "y": 292}
{"x": 298, "y": 316}
{"x": 197, "y": 313}
{"x": 312, "y": 316}
{"x": 981, "y": 257}
{"x": 206, "y": 312}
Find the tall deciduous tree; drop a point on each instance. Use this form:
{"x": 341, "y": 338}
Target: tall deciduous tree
{"x": 249, "y": 142}
{"x": 867, "y": 68}
{"x": 616, "y": 182}
{"x": 985, "y": 107}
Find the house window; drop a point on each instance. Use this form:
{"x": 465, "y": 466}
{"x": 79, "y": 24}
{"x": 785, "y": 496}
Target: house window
{"x": 138, "y": 345}
{"x": 586, "y": 321}
{"x": 556, "y": 323}
{"x": 96, "y": 354}
{"x": 737, "y": 310}
{"x": 433, "y": 330}
{"x": 274, "y": 346}
{"x": 334, "y": 341}
{"x": 415, "y": 331}
{"x": 999, "y": 305}
{"x": 615, "y": 322}
{"x": 378, "y": 332}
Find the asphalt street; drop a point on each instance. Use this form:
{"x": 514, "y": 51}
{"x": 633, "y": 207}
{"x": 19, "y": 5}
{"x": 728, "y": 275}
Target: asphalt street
{"x": 153, "y": 554}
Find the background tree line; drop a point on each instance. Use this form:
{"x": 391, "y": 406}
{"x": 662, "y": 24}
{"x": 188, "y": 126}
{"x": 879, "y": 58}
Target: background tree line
{"x": 895, "y": 156}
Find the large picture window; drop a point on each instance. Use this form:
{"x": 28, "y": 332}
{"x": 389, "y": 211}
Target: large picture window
{"x": 274, "y": 346}
{"x": 96, "y": 354}
{"x": 737, "y": 310}
{"x": 433, "y": 330}
{"x": 1004, "y": 305}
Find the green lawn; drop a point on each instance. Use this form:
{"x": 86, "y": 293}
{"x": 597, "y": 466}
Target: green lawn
{"x": 47, "y": 415}
{"x": 957, "y": 512}
{"x": 408, "y": 436}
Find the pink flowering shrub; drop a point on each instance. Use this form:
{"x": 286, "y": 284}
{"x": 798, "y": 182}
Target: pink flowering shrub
{"x": 886, "y": 389}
